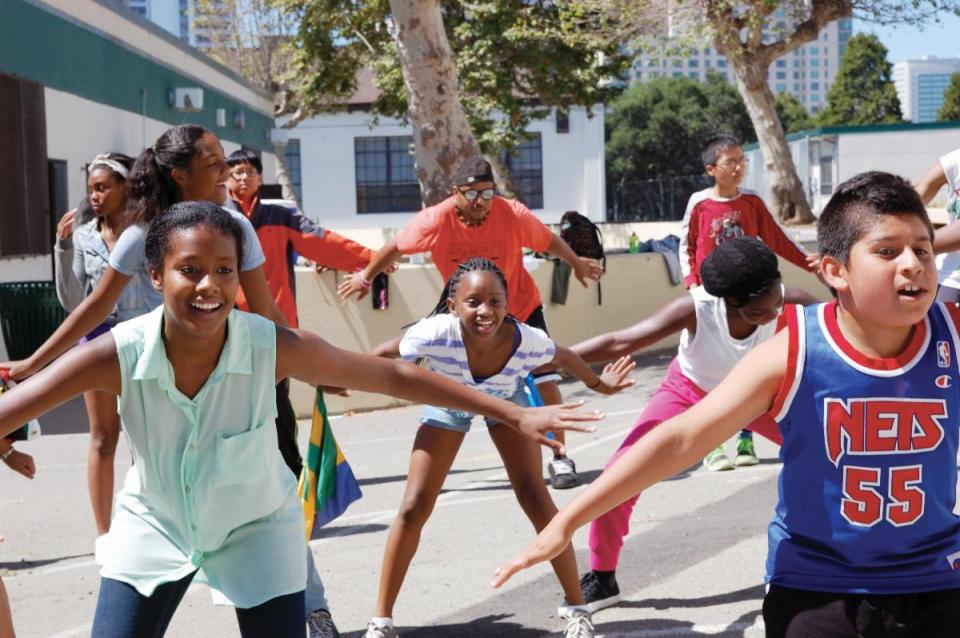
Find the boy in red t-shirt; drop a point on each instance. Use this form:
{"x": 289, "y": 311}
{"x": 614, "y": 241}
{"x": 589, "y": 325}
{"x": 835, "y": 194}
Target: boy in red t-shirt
{"x": 475, "y": 222}
{"x": 723, "y": 212}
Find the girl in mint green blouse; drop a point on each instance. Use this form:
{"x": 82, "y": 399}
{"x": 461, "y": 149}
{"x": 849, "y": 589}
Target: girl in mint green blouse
{"x": 208, "y": 495}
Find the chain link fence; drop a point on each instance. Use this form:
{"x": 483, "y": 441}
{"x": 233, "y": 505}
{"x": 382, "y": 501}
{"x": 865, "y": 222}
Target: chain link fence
{"x": 653, "y": 200}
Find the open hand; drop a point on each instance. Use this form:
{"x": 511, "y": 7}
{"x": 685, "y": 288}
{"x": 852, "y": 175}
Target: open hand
{"x": 585, "y": 268}
{"x": 551, "y": 541}
{"x": 353, "y": 283}
{"x": 20, "y": 462}
{"x": 65, "y": 225}
{"x": 614, "y": 378}
{"x": 536, "y": 422}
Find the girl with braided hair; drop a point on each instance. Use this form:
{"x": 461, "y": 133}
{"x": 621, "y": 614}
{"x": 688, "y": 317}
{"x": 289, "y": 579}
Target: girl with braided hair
{"x": 471, "y": 339}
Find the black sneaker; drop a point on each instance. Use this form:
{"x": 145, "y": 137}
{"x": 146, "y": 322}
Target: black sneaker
{"x": 600, "y": 590}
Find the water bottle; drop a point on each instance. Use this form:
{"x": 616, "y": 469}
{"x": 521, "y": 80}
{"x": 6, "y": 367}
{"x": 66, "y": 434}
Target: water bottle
{"x": 634, "y": 243}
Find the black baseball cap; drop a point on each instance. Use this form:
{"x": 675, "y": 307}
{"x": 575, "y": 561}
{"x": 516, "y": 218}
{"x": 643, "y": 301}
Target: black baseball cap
{"x": 475, "y": 169}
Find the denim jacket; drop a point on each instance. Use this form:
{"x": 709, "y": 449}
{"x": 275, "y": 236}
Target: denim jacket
{"x": 80, "y": 263}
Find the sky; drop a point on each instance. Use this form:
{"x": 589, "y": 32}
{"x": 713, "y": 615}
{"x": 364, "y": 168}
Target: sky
{"x": 911, "y": 43}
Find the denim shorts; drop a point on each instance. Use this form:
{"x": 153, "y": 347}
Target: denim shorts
{"x": 458, "y": 421}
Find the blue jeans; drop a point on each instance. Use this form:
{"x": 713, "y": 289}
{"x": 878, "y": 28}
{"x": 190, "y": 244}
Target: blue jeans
{"x": 123, "y": 612}
{"x": 315, "y": 596}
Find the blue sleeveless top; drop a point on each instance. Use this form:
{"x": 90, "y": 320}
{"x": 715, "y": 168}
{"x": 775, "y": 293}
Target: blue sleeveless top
{"x": 868, "y": 485}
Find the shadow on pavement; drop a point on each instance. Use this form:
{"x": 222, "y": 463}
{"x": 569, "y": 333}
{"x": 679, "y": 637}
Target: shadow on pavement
{"x": 396, "y": 478}
{"x": 33, "y": 564}
{"x": 349, "y": 530}
{"x": 672, "y": 628}
{"x": 493, "y": 626}
{"x": 755, "y": 592}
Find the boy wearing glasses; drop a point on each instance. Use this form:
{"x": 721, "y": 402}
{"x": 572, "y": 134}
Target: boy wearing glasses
{"x": 476, "y": 222}
{"x": 723, "y": 212}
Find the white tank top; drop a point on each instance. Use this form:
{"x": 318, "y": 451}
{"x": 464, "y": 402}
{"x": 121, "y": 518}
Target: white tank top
{"x": 708, "y": 355}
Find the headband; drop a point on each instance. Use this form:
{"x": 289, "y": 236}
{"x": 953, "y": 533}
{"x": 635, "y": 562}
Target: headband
{"x": 113, "y": 165}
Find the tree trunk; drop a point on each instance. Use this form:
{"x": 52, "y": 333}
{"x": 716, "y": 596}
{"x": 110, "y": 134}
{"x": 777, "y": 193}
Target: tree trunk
{"x": 789, "y": 200}
{"x": 504, "y": 177}
{"x": 442, "y": 137}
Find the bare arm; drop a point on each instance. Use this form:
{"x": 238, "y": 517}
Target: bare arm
{"x": 91, "y": 366}
{"x": 613, "y": 379}
{"x": 947, "y": 239}
{"x": 932, "y": 182}
{"x": 746, "y": 393}
{"x": 91, "y": 312}
{"x": 388, "y": 349}
{"x": 305, "y": 356}
{"x": 353, "y": 283}
{"x": 583, "y": 268}
{"x": 669, "y": 319}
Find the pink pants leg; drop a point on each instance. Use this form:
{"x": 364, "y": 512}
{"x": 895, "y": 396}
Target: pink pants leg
{"x": 675, "y": 394}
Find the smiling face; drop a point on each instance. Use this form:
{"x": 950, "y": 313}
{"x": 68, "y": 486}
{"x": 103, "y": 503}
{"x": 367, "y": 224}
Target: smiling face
{"x": 474, "y": 211}
{"x": 205, "y": 179}
{"x": 199, "y": 281}
{"x": 106, "y": 191}
{"x": 890, "y": 279}
{"x": 762, "y": 309}
{"x": 480, "y": 301}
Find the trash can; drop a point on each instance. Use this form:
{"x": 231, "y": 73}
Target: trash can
{"x": 29, "y": 314}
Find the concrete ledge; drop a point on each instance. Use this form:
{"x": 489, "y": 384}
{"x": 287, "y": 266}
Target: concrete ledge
{"x": 635, "y": 285}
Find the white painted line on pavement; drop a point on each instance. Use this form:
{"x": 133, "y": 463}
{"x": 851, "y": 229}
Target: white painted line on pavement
{"x": 79, "y": 630}
{"x": 693, "y": 630}
{"x": 53, "y": 569}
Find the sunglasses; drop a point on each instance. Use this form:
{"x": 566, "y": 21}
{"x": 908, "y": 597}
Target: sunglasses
{"x": 471, "y": 194}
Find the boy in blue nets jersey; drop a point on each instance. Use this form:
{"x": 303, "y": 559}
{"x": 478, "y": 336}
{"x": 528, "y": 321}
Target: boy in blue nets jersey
{"x": 866, "y": 391}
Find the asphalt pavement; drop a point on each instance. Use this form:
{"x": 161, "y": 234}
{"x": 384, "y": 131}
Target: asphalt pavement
{"x": 692, "y": 564}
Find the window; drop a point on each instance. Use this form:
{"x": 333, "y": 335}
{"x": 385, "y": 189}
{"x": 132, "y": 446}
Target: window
{"x": 814, "y": 98}
{"x": 291, "y": 158}
{"x": 797, "y": 87}
{"x": 563, "y": 121}
{"x": 678, "y": 74}
{"x": 526, "y": 166}
{"x": 706, "y": 63}
{"x": 814, "y": 50}
{"x": 693, "y": 75}
{"x": 693, "y": 63}
{"x": 781, "y": 87}
{"x": 707, "y": 51}
{"x": 814, "y": 74}
{"x": 814, "y": 86}
{"x": 781, "y": 75}
{"x": 814, "y": 62}
{"x": 722, "y": 63}
{"x": 781, "y": 63}
{"x": 386, "y": 182}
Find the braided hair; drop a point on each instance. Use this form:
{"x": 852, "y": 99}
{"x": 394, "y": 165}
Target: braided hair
{"x": 474, "y": 264}
{"x": 740, "y": 270}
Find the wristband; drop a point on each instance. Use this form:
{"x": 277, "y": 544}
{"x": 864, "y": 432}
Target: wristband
{"x": 595, "y": 384}
{"x": 363, "y": 280}
{"x": 5, "y": 455}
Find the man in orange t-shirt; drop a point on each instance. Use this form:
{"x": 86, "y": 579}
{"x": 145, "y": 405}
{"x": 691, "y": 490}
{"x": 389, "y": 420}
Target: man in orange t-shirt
{"x": 475, "y": 222}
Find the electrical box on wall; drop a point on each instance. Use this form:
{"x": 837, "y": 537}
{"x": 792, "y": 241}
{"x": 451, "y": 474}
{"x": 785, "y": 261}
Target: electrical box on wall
{"x": 187, "y": 99}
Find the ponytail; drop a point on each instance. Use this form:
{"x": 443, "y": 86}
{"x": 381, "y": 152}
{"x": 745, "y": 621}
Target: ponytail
{"x": 152, "y": 188}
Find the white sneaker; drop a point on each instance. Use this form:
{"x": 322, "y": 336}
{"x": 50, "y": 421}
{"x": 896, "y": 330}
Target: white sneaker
{"x": 563, "y": 473}
{"x": 717, "y": 461}
{"x": 579, "y": 626}
{"x": 380, "y": 632}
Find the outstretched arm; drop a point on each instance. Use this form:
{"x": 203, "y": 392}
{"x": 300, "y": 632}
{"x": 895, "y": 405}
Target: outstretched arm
{"x": 359, "y": 282}
{"x": 612, "y": 380}
{"x": 88, "y": 315}
{"x": 91, "y": 366}
{"x": 583, "y": 268}
{"x": 931, "y": 183}
{"x": 671, "y": 318}
{"x": 305, "y": 356}
{"x": 746, "y": 393}
{"x": 388, "y": 349}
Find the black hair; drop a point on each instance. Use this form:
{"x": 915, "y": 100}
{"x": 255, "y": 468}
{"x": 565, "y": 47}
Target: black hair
{"x": 152, "y": 188}
{"x": 474, "y": 264}
{"x": 245, "y": 156}
{"x": 124, "y": 160}
{"x": 716, "y": 145}
{"x": 740, "y": 270}
{"x": 182, "y": 216}
{"x": 84, "y": 213}
{"x": 858, "y": 204}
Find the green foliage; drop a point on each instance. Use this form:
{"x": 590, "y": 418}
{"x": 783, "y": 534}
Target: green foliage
{"x": 951, "y": 101}
{"x": 516, "y": 59}
{"x": 658, "y": 128}
{"x": 863, "y": 91}
{"x": 792, "y": 113}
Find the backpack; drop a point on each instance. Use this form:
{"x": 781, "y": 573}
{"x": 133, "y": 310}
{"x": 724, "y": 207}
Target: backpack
{"x": 585, "y": 238}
